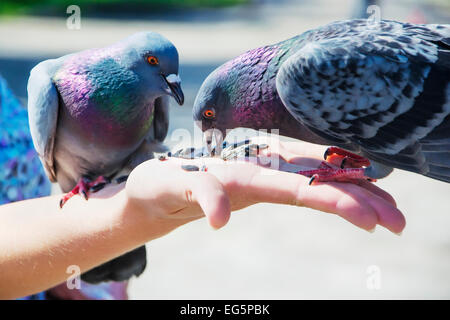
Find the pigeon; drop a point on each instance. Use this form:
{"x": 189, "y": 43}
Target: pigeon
{"x": 96, "y": 114}
{"x": 377, "y": 91}
{"x": 21, "y": 173}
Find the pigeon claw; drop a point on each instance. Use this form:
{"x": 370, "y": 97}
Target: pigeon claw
{"x": 84, "y": 187}
{"x": 344, "y": 158}
{"x": 314, "y": 177}
{"x": 69, "y": 195}
{"x": 324, "y": 174}
{"x": 85, "y": 195}
{"x": 343, "y": 162}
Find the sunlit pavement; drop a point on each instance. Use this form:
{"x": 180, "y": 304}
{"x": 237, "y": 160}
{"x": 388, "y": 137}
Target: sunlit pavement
{"x": 266, "y": 251}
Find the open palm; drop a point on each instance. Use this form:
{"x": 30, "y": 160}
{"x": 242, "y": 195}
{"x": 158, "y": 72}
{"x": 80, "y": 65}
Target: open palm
{"x": 169, "y": 192}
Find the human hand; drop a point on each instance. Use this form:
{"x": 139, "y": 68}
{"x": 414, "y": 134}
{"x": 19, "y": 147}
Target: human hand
{"x": 172, "y": 196}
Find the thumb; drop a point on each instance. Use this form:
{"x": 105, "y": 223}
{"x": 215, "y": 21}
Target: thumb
{"x": 211, "y": 196}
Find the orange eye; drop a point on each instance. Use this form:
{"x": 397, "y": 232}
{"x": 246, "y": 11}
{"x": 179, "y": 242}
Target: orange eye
{"x": 208, "y": 113}
{"x": 152, "y": 60}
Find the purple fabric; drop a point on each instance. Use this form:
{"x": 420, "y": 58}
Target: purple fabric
{"x": 102, "y": 291}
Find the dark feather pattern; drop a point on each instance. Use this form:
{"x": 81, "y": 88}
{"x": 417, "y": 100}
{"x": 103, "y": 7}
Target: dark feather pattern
{"x": 399, "y": 94}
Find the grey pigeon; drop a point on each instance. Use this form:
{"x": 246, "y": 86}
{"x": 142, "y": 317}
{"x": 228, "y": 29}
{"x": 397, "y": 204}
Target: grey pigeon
{"x": 96, "y": 114}
{"x": 378, "y": 89}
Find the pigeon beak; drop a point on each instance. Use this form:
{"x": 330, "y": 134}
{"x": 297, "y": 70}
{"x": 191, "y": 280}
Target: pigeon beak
{"x": 174, "y": 83}
{"x": 208, "y": 136}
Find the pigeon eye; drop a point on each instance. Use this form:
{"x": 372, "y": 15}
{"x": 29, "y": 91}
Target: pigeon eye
{"x": 209, "y": 113}
{"x": 152, "y": 60}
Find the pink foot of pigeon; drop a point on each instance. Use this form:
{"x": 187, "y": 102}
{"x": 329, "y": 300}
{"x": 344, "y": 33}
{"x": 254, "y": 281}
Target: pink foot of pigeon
{"x": 344, "y": 158}
{"x": 84, "y": 187}
{"x": 326, "y": 173}
{"x": 339, "y": 175}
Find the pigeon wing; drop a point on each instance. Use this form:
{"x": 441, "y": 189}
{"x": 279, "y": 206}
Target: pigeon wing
{"x": 43, "y": 105}
{"x": 161, "y": 118}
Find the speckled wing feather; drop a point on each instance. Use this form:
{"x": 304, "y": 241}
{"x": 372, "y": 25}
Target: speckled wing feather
{"x": 43, "y": 108}
{"x": 384, "y": 88}
{"x": 21, "y": 173}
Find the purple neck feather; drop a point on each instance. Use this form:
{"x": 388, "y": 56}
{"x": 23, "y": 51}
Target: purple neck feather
{"x": 252, "y": 89}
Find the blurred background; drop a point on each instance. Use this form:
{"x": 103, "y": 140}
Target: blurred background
{"x": 266, "y": 251}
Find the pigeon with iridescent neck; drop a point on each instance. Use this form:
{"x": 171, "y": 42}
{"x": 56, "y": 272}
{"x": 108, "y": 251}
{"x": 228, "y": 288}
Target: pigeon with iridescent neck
{"x": 377, "y": 89}
{"x": 96, "y": 114}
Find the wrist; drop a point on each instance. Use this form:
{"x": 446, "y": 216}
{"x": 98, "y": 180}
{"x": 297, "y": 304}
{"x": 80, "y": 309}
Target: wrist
{"x": 147, "y": 221}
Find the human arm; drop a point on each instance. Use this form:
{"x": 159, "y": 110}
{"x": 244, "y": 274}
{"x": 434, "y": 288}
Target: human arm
{"x": 38, "y": 241}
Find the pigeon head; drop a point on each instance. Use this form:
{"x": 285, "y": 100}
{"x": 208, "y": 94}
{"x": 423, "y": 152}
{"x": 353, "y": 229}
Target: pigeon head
{"x": 155, "y": 60}
{"x": 212, "y": 111}
{"x": 237, "y": 94}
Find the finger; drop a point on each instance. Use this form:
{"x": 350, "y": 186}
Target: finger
{"x": 307, "y": 161}
{"x": 358, "y": 205}
{"x": 303, "y": 149}
{"x": 347, "y": 200}
{"x": 315, "y": 163}
{"x": 291, "y": 153}
{"x": 302, "y": 157}
{"x": 353, "y": 203}
{"x": 391, "y": 219}
{"x": 378, "y": 191}
{"x": 212, "y": 198}
{"x": 338, "y": 199}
